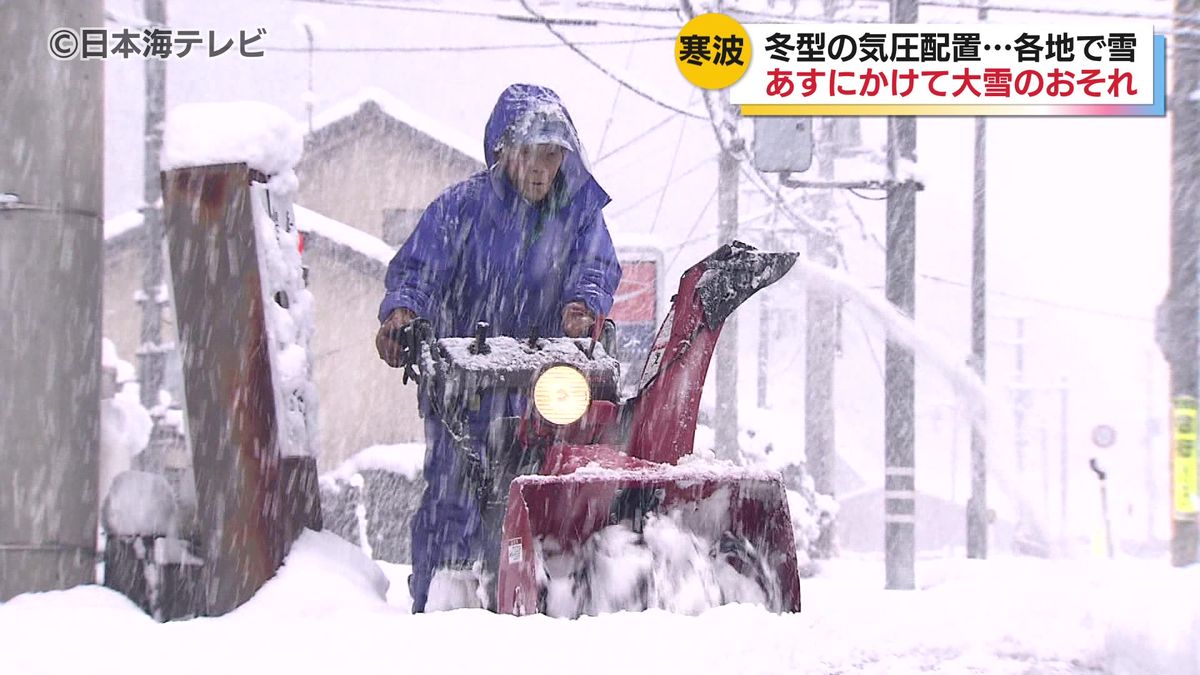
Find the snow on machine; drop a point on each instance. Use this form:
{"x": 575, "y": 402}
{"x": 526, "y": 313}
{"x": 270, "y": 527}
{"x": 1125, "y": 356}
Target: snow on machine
{"x": 592, "y": 504}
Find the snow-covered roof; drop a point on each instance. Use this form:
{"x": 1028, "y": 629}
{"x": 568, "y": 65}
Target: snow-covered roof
{"x": 120, "y": 224}
{"x": 342, "y": 236}
{"x": 352, "y": 238}
{"x": 637, "y": 245}
{"x": 402, "y": 112}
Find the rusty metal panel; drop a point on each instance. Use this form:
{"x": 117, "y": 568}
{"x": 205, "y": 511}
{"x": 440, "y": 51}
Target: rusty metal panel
{"x": 227, "y": 377}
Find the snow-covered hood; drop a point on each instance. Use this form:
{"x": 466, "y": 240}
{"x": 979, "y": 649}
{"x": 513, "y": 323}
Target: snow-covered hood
{"x": 521, "y": 106}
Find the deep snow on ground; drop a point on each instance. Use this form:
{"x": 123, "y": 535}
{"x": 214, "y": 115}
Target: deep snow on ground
{"x": 326, "y": 612}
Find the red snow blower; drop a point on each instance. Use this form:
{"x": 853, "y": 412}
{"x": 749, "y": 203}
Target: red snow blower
{"x": 597, "y": 504}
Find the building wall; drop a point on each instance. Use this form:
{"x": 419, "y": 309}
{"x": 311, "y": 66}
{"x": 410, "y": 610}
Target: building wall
{"x": 122, "y": 322}
{"x": 362, "y": 401}
{"x": 357, "y": 179}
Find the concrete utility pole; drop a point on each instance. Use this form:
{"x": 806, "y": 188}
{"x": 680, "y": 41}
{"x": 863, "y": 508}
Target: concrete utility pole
{"x": 51, "y": 273}
{"x": 820, "y": 342}
{"x": 820, "y": 332}
{"x": 151, "y": 354}
{"x": 1022, "y": 395}
{"x": 309, "y": 96}
{"x": 1183, "y": 303}
{"x": 727, "y": 347}
{"x": 899, "y": 389}
{"x": 1152, "y": 457}
{"x": 977, "y": 527}
{"x": 764, "y": 350}
{"x": 765, "y": 310}
{"x": 1064, "y": 468}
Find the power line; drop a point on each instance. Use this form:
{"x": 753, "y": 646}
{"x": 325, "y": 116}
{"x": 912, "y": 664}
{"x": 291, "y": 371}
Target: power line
{"x": 641, "y": 200}
{"x": 1050, "y": 10}
{"x": 472, "y": 48}
{"x": 670, "y": 170}
{"x": 1011, "y": 296}
{"x": 1047, "y": 303}
{"x": 597, "y": 66}
{"x": 612, "y": 112}
{"x": 624, "y": 7}
{"x": 637, "y": 138}
{"x": 687, "y": 239}
{"x": 589, "y": 22}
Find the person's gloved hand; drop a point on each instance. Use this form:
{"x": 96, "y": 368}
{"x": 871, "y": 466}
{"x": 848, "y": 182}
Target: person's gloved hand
{"x": 387, "y": 340}
{"x": 577, "y": 319}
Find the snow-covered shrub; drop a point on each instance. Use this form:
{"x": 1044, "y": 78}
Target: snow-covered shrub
{"x": 371, "y": 498}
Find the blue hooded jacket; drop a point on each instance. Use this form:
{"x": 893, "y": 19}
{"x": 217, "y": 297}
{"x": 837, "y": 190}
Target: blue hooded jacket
{"x": 480, "y": 252}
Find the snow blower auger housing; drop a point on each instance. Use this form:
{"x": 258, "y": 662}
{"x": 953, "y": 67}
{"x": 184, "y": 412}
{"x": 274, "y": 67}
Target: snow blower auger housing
{"x": 583, "y": 496}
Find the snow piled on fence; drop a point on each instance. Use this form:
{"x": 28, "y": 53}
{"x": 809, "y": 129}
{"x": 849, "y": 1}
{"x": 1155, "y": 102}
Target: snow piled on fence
{"x": 325, "y": 611}
{"x": 406, "y": 459}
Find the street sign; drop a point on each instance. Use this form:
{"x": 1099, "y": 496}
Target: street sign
{"x": 783, "y": 144}
{"x": 1104, "y": 436}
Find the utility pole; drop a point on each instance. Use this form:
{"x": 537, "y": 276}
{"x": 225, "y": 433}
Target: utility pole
{"x": 820, "y": 329}
{"x": 1064, "y": 460}
{"x": 151, "y": 354}
{"x": 310, "y": 95}
{"x": 727, "y": 347}
{"x": 1026, "y": 537}
{"x": 1148, "y": 448}
{"x": 977, "y": 526}
{"x": 764, "y": 351}
{"x": 764, "y": 328}
{"x": 1043, "y": 438}
{"x": 899, "y": 390}
{"x": 51, "y": 276}
{"x": 1183, "y": 308}
{"x": 1022, "y": 396}
{"x": 820, "y": 343}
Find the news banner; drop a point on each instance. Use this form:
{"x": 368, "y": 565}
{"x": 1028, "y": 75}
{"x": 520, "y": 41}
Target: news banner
{"x": 928, "y": 69}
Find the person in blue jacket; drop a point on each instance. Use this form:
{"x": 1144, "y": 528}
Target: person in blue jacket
{"x": 522, "y": 245}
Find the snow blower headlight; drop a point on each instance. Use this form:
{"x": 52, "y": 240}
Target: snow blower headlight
{"x": 561, "y": 395}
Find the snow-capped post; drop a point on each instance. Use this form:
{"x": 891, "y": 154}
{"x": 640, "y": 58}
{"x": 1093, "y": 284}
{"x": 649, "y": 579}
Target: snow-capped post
{"x": 51, "y": 266}
{"x": 245, "y": 320}
{"x": 899, "y": 390}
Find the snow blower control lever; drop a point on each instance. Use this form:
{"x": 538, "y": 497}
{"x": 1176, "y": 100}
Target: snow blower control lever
{"x": 410, "y": 338}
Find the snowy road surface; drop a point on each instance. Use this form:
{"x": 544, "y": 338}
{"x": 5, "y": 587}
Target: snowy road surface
{"x": 325, "y": 612}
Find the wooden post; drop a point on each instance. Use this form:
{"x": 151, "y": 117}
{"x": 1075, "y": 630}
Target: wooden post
{"x": 251, "y": 503}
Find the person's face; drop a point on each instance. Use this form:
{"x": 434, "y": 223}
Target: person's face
{"x": 532, "y": 169}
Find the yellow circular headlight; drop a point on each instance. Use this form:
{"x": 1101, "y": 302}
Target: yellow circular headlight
{"x": 561, "y": 395}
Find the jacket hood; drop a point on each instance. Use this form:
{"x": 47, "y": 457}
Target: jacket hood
{"x": 528, "y": 113}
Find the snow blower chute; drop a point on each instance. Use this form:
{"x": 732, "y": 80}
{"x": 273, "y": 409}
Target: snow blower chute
{"x": 584, "y": 496}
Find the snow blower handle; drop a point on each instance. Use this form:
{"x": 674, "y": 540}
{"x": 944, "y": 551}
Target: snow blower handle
{"x": 597, "y": 332}
{"x": 410, "y": 338}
